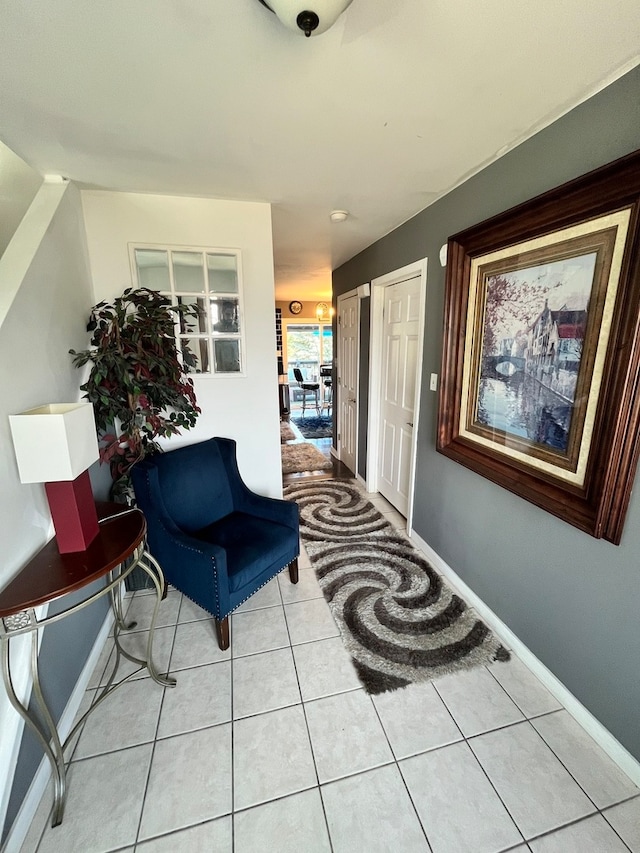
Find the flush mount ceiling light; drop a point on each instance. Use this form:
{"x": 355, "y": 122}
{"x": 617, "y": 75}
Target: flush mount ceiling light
{"x": 309, "y": 16}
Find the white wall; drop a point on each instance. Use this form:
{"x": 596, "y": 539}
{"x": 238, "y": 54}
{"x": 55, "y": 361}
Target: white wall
{"x": 46, "y": 272}
{"x": 19, "y": 184}
{"x": 244, "y": 408}
{"x": 47, "y": 317}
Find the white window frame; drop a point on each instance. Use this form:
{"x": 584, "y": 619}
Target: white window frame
{"x": 174, "y": 294}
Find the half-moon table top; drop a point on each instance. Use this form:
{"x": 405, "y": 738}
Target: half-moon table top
{"x": 50, "y": 574}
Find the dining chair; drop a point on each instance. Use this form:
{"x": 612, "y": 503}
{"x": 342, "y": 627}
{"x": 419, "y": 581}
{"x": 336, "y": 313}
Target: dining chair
{"x": 326, "y": 377}
{"x": 312, "y": 388}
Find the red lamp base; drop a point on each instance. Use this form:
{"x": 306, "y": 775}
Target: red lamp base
{"x": 73, "y": 511}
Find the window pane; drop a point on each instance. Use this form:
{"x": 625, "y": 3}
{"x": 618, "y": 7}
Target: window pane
{"x": 224, "y": 315}
{"x": 190, "y": 323}
{"x": 153, "y": 269}
{"x": 188, "y": 273}
{"x": 226, "y": 353}
{"x": 223, "y": 273}
{"x": 195, "y": 355}
{"x": 327, "y": 344}
{"x": 303, "y": 351}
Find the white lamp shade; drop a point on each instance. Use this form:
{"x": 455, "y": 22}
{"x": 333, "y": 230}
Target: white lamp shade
{"x": 54, "y": 442}
{"x": 328, "y": 12}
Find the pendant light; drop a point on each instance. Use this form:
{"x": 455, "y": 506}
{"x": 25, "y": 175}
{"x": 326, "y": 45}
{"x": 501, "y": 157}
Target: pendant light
{"x": 308, "y": 16}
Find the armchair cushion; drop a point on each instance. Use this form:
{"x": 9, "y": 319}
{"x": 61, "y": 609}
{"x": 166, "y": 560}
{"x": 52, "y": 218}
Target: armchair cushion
{"x": 253, "y": 546}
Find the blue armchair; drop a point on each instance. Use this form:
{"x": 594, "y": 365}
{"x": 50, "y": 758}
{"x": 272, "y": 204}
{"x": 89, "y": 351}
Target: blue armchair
{"x": 216, "y": 541}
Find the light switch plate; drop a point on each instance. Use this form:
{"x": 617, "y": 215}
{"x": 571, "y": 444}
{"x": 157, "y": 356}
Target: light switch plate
{"x": 433, "y": 382}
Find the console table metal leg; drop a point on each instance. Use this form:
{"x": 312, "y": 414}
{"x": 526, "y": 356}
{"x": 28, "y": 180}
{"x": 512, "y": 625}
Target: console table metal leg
{"x": 155, "y": 573}
{"x": 115, "y": 596}
{"x": 45, "y": 730}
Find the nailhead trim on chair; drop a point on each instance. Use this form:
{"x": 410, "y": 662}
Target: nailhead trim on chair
{"x": 286, "y": 566}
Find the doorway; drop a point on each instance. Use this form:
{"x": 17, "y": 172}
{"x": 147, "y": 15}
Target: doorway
{"x": 309, "y": 350}
{"x": 397, "y": 332}
{"x": 348, "y": 351}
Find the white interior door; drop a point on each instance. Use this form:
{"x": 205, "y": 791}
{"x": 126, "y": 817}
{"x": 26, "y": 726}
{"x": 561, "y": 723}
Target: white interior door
{"x": 400, "y": 337}
{"x": 347, "y": 380}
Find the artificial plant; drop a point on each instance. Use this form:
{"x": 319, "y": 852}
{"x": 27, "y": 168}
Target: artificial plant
{"x": 137, "y": 384}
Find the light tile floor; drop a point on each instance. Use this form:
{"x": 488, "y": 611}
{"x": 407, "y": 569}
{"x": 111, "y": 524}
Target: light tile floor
{"x": 274, "y": 747}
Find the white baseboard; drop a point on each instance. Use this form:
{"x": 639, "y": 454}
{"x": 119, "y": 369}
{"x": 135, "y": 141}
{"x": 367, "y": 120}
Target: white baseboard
{"x": 362, "y": 481}
{"x": 602, "y": 736}
{"x": 24, "y": 818}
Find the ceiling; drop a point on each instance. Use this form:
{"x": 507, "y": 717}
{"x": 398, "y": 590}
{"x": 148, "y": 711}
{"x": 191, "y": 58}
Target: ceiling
{"x": 382, "y": 114}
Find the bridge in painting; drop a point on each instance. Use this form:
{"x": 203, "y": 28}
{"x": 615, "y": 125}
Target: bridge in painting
{"x": 501, "y": 366}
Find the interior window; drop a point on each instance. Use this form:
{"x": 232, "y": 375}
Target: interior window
{"x": 210, "y": 279}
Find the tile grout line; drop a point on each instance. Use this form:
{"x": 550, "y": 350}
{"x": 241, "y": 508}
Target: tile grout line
{"x": 306, "y": 722}
{"x": 608, "y": 822}
{"x": 600, "y": 809}
{"x": 404, "y": 781}
{"x": 575, "y": 823}
{"x": 468, "y": 744}
{"x": 486, "y": 773}
{"x": 530, "y": 718}
{"x": 155, "y": 740}
{"x": 504, "y": 805}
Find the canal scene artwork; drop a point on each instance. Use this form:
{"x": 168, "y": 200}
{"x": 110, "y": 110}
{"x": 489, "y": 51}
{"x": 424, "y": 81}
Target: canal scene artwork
{"x": 533, "y": 333}
{"x": 541, "y": 349}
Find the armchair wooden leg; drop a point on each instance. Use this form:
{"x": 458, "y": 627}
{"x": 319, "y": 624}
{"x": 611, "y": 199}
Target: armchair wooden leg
{"x": 222, "y": 630}
{"x": 293, "y": 571}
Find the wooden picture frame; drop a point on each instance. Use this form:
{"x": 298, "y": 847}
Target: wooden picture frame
{"x": 540, "y": 387}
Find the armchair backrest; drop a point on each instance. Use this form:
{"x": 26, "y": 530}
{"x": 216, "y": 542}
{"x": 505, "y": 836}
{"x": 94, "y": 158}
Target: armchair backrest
{"x": 190, "y": 483}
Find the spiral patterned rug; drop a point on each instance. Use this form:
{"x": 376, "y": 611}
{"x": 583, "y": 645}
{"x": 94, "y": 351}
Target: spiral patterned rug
{"x": 397, "y": 617}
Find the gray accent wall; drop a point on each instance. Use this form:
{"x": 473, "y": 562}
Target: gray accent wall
{"x": 572, "y": 599}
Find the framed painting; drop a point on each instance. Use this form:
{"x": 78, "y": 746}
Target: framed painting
{"x": 540, "y": 386}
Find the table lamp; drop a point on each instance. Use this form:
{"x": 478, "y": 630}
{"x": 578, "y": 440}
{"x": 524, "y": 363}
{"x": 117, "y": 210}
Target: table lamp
{"x": 55, "y": 444}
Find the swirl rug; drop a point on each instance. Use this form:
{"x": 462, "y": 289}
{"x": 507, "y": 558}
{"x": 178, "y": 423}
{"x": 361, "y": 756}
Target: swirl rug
{"x": 399, "y": 620}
